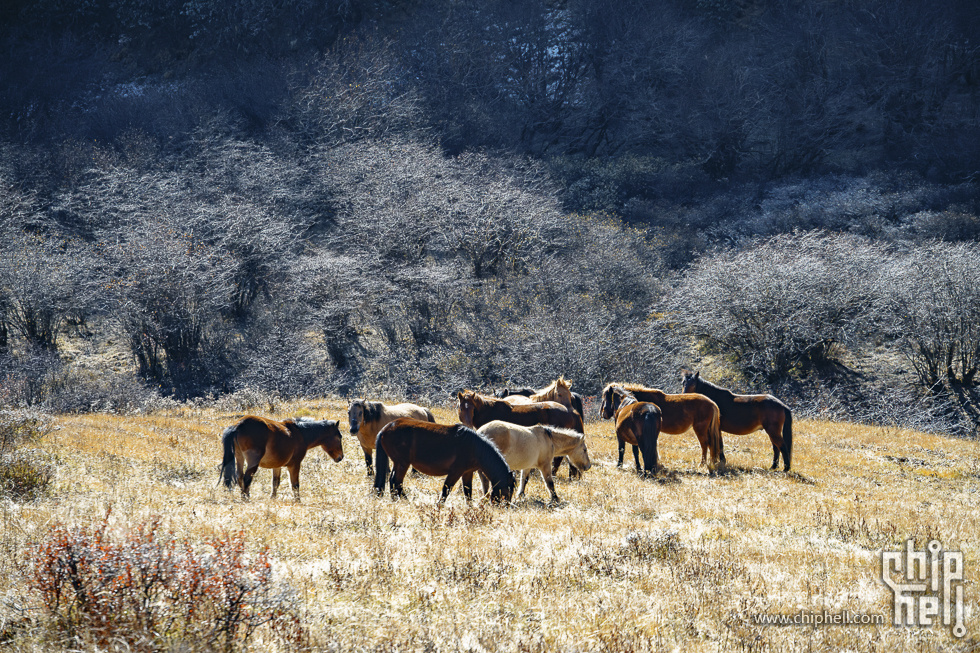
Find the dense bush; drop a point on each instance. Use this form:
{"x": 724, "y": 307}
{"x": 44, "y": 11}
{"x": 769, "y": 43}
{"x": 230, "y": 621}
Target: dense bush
{"x": 785, "y": 305}
{"x": 934, "y": 307}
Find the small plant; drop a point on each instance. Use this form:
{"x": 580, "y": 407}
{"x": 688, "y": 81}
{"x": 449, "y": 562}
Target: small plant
{"x": 22, "y": 475}
{"x": 153, "y": 592}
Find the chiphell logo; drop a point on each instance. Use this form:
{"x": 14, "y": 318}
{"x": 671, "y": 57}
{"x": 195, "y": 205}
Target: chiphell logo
{"x": 928, "y": 585}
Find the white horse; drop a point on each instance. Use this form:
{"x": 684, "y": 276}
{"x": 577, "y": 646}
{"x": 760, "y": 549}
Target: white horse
{"x": 526, "y": 448}
{"x": 367, "y": 418}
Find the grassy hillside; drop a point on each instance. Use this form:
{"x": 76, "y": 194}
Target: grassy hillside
{"x": 622, "y": 564}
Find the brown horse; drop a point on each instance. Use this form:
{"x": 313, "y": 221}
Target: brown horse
{"x": 743, "y": 414}
{"x": 638, "y": 423}
{"x": 368, "y": 417}
{"x": 680, "y": 412}
{"x": 439, "y": 450}
{"x": 259, "y": 442}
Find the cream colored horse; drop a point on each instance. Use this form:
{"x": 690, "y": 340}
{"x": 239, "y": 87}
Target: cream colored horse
{"x": 368, "y": 417}
{"x": 558, "y": 390}
{"x": 526, "y": 448}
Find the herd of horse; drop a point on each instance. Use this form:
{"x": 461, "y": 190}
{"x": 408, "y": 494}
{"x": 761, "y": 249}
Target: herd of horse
{"x": 516, "y": 430}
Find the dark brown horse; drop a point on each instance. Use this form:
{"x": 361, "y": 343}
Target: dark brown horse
{"x": 638, "y": 423}
{"x": 439, "y": 450}
{"x": 259, "y": 442}
{"x": 680, "y": 412}
{"x": 475, "y": 410}
{"x": 743, "y": 414}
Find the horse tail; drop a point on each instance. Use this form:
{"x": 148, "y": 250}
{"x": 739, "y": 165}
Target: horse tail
{"x": 715, "y": 437}
{"x": 652, "y": 422}
{"x": 429, "y": 416}
{"x": 229, "y": 474}
{"x": 577, "y": 404}
{"x": 787, "y": 440}
{"x": 381, "y": 467}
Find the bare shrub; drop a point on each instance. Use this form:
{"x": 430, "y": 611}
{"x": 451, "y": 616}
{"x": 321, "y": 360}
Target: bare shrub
{"x": 43, "y": 284}
{"x": 357, "y": 90}
{"x": 783, "y": 305}
{"x": 934, "y": 311}
{"x": 151, "y": 591}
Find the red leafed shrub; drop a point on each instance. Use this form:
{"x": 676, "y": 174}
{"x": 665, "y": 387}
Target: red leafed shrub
{"x": 152, "y": 592}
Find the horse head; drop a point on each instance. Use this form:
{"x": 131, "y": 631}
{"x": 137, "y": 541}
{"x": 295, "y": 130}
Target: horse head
{"x": 608, "y": 399}
{"x": 579, "y": 456}
{"x": 331, "y": 440}
{"x": 467, "y": 406}
{"x": 503, "y": 491}
{"x": 689, "y": 380}
{"x": 355, "y": 415}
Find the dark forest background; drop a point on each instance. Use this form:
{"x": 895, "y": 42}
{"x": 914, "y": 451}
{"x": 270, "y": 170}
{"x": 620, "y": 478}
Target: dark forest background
{"x": 276, "y": 198}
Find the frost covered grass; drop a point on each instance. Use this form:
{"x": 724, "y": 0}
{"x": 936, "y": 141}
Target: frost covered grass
{"x": 681, "y": 560}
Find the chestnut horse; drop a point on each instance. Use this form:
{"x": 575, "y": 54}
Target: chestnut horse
{"x": 680, "y": 412}
{"x": 439, "y": 450}
{"x": 743, "y": 414}
{"x": 527, "y": 448}
{"x": 259, "y": 442}
{"x": 366, "y": 418}
{"x": 638, "y": 423}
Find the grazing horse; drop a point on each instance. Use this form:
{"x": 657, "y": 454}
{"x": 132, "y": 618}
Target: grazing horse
{"x": 526, "y": 448}
{"x": 259, "y": 442}
{"x": 638, "y": 423}
{"x": 368, "y": 417}
{"x": 439, "y": 450}
{"x": 680, "y": 412}
{"x": 743, "y": 414}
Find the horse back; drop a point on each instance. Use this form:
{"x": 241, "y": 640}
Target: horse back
{"x": 683, "y": 411}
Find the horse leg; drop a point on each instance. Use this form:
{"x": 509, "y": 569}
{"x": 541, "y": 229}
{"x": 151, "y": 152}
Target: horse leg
{"x": 621, "y": 443}
{"x": 636, "y": 457}
{"x": 251, "y": 466}
{"x": 368, "y": 461}
{"x": 525, "y": 476}
{"x": 556, "y": 463}
{"x": 549, "y": 480}
{"x": 447, "y": 487}
{"x": 775, "y": 437}
{"x": 276, "y": 477}
{"x": 397, "y": 476}
{"x": 239, "y": 468}
{"x": 485, "y": 480}
{"x": 294, "y": 480}
{"x": 468, "y": 487}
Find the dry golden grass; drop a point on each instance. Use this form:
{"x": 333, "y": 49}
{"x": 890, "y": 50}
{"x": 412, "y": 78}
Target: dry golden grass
{"x": 682, "y": 561}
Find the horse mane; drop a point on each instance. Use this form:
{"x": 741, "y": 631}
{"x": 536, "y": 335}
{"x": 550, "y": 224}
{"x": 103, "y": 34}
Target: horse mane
{"x": 712, "y": 386}
{"x": 372, "y": 410}
{"x": 552, "y": 430}
{"x": 487, "y": 454}
{"x": 626, "y": 397}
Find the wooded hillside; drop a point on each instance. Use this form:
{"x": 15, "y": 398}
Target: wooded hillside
{"x": 302, "y": 198}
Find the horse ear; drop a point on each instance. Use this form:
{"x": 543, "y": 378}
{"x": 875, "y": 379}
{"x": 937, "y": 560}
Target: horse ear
{"x": 697, "y": 375}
